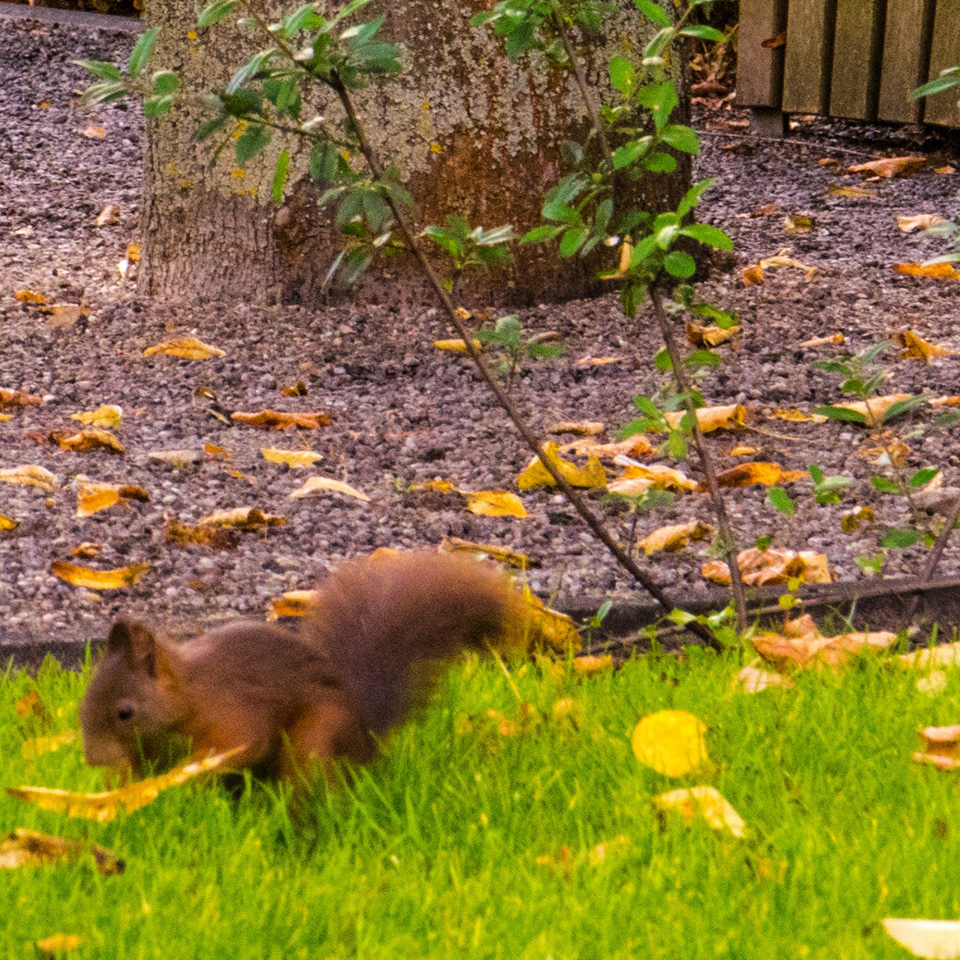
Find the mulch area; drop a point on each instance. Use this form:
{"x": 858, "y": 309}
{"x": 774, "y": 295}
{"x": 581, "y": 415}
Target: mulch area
{"x": 404, "y": 413}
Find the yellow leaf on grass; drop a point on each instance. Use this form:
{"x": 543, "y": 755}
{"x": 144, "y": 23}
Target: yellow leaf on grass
{"x": 934, "y": 939}
{"x": 853, "y": 193}
{"x": 890, "y": 167}
{"x": 834, "y": 338}
{"x": 637, "y": 480}
{"x": 875, "y": 408}
{"x": 592, "y": 475}
{"x": 17, "y": 398}
{"x": 762, "y": 567}
{"x": 278, "y": 420}
{"x": 730, "y": 417}
{"x": 677, "y": 536}
{"x": 492, "y": 550}
{"x": 242, "y": 518}
{"x": 186, "y": 348}
{"x": 99, "y": 579}
{"x": 90, "y": 438}
{"x": 30, "y": 475}
{"x": 28, "y": 848}
{"x": 705, "y": 802}
{"x": 672, "y": 742}
{"x": 292, "y": 458}
{"x": 916, "y": 348}
{"x": 94, "y": 497}
{"x": 936, "y": 271}
{"x": 942, "y": 655}
{"x": 457, "y": 346}
{"x": 105, "y": 806}
{"x": 495, "y": 503}
{"x": 751, "y": 679}
{"x": 588, "y": 666}
{"x": 802, "y": 645}
{"x": 31, "y": 707}
{"x": 108, "y": 416}
{"x": 39, "y": 746}
{"x": 58, "y": 944}
{"x": 919, "y": 221}
{"x": 710, "y": 336}
{"x": 316, "y": 485}
{"x": 293, "y": 603}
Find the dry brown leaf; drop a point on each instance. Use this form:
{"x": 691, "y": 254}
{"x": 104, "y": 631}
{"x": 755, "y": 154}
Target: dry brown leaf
{"x": 752, "y": 679}
{"x": 29, "y": 296}
{"x": 186, "y": 348}
{"x": 915, "y": 348}
{"x": 919, "y": 221}
{"x": 705, "y": 802}
{"x": 175, "y": 458}
{"x": 677, "y": 536}
{"x": 28, "y": 848}
{"x": 935, "y": 271}
{"x": 852, "y": 193}
{"x": 767, "y": 210}
{"x": 672, "y": 742}
{"x": 39, "y": 746}
{"x": 730, "y": 417}
{"x": 30, "y": 475}
{"x": 710, "y": 336}
{"x": 802, "y": 645}
{"x": 748, "y": 474}
{"x": 217, "y": 453}
{"x": 636, "y": 446}
{"x": 753, "y": 276}
{"x": 99, "y": 579}
{"x": 107, "y": 416}
{"x": 92, "y": 132}
{"x": 891, "y": 452}
{"x": 105, "y": 806}
{"x": 798, "y": 416}
{"x": 934, "y": 939}
{"x": 242, "y": 518}
{"x": 834, "y": 338}
{"x": 94, "y": 497}
{"x": 744, "y": 451}
{"x": 88, "y": 550}
{"x": 942, "y": 655}
{"x": 945, "y": 402}
{"x": 298, "y": 389}
{"x": 315, "y": 485}
{"x": 184, "y": 536}
{"x": 592, "y": 475}
{"x": 637, "y": 480}
{"x": 581, "y": 428}
{"x": 495, "y": 552}
{"x": 17, "y": 398}
{"x": 890, "y": 167}
{"x": 90, "y": 438}
{"x": 495, "y": 503}
{"x": 945, "y": 171}
{"x": 109, "y": 216}
{"x": 762, "y": 567}
{"x": 293, "y": 603}
{"x": 457, "y": 346}
{"x": 277, "y": 420}
{"x": 292, "y": 458}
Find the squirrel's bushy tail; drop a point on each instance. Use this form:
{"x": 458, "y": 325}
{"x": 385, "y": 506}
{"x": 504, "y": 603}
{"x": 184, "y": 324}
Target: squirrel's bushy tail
{"x": 378, "y": 619}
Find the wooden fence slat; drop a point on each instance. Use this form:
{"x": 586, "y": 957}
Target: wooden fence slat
{"x": 760, "y": 69}
{"x": 945, "y": 52}
{"x": 857, "y": 48}
{"x": 809, "y": 57}
{"x": 905, "y": 57}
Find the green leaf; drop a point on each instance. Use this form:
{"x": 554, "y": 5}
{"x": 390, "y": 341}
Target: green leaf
{"x": 573, "y": 240}
{"x": 706, "y": 234}
{"x": 653, "y": 12}
{"x": 662, "y": 361}
{"x": 703, "y": 32}
{"x": 884, "y": 485}
{"x": 660, "y": 99}
{"x": 100, "y": 69}
{"x": 902, "y": 406}
{"x": 165, "y": 83}
{"x": 782, "y": 501}
{"x": 922, "y": 477}
{"x": 841, "y": 413}
{"x": 905, "y": 537}
{"x": 253, "y": 140}
{"x": 692, "y": 197}
{"x": 660, "y": 163}
{"x": 680, "y": 264}
{"x": 629, "y": 153}
{"x": 541, "y": 234}
{"x": 215, "y": 12}
{"x": 280, "y": 175}
{"x": 622, "y": 75}
{"x": 680, "y": 138}
{"x": 141, "y": 51}
{"x": 945, "y": 81}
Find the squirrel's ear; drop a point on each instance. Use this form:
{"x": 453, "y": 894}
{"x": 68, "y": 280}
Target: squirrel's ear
{"x": 136, "y": 643}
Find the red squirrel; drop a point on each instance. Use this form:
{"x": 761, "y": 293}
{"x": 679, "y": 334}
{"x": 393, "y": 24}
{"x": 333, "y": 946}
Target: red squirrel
{"x": 294, "y": 700}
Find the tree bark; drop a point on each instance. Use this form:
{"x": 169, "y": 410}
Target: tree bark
{"x": 470, "y": 132}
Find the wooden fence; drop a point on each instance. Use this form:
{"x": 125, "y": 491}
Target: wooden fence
{"x": 848, "y": 58}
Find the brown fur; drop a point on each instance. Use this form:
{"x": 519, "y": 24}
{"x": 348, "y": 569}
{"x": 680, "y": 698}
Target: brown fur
{"x": 293, "y": 699}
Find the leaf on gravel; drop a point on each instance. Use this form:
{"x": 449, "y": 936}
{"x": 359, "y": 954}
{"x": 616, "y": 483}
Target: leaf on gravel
{"x": 277, "y": 420}
{"x": 216, "y": 452}
{"x": 942, "y": 655}
{"x": 936, "y": 271}
{"x": 242, "y": 518}
{"x": 753, "y": 679}
{"x": 316, "y": 485}
{"x": 495, "y": 503}
{"x": 292, "y": 458}
{"x": 581, "y": 428}
{"x": 175, "y": 458}
{"x": 108, "y": 416}
{"x": 676, "y": 536}
{"x": 730, "y": 417}
{"x": 763, "y": 567}
{"x": 492, "y": 550}
{"x": 29, "y": 296}
{"x": 891, "y": 452}
{"x": 801, "y": 645}
{"x": 87, "y": 550}
{"x": 109, "y": 216}
{"x": 671, "y": 742}
{"x": 457, "y": 346}
{"x": 798, "y": 223}
{"x": 186, "y": 348}
{"x": 99, "y": 579}
{"x": 597, "y": 361}
{"x": 185, "y": 535}
{"x": 57, "y": 944}
{"x": 105, "y": 806}
{"x": 28, "y": 848}
{"x": 18, "y": 398}
{"x": 758, "y": 472}
{"x": 39, "y": 746}
{"x": 8, "y": 523}
{"x": 298, "y": 389}
{"x": 637, "y": 480}
{"x": 705, "y": 802}
{"x": 888, "y": 167}
{"x": 592, "y": 475}
{"x": 834, "y": 338}
{"x": 757, "y": 274}
{"x": 934, "y": 939}
{"x": 874, "y": 409}
{"x": 919, "y": 221}
{"x": 856, "y": 518}
{"x": 92, "y": 132}
{"x": 635, "y": 446}
{"x": 852, "y": 193}
{"x": 798, "y": 416}
{"x": 94, "y": 497}
{"x": 90, "y": 438}
{"x": 30, "y": 475}
{"x": 710, "y": 336}
{"x": 293, "y": 603}
{"x": 915, "y": 348}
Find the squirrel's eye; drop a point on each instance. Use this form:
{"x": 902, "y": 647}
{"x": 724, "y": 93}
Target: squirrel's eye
{"x": 125, "y": 712}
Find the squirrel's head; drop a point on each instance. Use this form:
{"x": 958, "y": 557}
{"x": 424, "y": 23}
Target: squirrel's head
{"x": 130, "y": 699}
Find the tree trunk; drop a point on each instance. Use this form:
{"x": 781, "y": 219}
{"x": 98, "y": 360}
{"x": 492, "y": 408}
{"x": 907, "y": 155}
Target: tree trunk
{"x": 470, "y": 132}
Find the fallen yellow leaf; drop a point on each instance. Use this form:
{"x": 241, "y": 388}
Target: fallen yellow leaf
{"x": 588, "y": 666}
{"x": 29, "y": 296}
{"x": 637, "y": 480}
{"x": 762, "y": 567}
{"x": 31, "y": 476}
{"x": 635, "y": 446}
{"x": 744, "y": 451}
{"x": 942, "y": 655}
{"x": 758, "y": 472}
{"x": 108, "y": 216}
{"x": 919, "y": 221}
{"x": 875, "y": 408}
{"x": 915, "y": 348}
{"x": 242, "y": 518}
{"x": 797, "y": 223}
{"x": 293, "y": 603}
{"x": 99, "y": 579}
{"x": 28, "y": 848}
{"x": 277, "y": 420}
{"x": 17, "y": 398}
{"x": 671, "y": 742}
{"x": 677, "y": 536}
{"x": 186, "y": 348}
{"x": 500, "y": 554}
{"x": 292, "y": 458}
{"x": 39, "y": 746}
{"x": 937, "y": 271}
{"x": 751, "y": 679}
{"x": 58, "y": 944}
{"x": 935, "y": 939}
{"x": 8, "y": 523}
{"x": 530, "y": 624}
{"x": 710, "y": 336}
{"x": 94, "y": 497}
{"x": 854, "y": 193}
{"x": 802, "y": 645}
{"x": 890, "y": 167}
{"x": 798, "y": 416}
{"x": 90, "y": 438}
{"x": 582, "y": 428}
{"x": 730, "y": 417}
{"x": 105, "y": 806}
{"x": 457, "y": 346}
{"x": 314, "y": 485}
{"x": 108, "y": 416}
{"x": 833, "y": 338}
{"x": 592, "y": 475}
{"x": 597, "y": 361}
{"x": 495, "y": 503}
{"x": 438, "y": 486}
{"x": 94, "y": 133}
{"x": 705, "y": 802}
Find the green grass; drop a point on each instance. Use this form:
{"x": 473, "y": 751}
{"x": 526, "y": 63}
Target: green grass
{"x": 433, "y": 851}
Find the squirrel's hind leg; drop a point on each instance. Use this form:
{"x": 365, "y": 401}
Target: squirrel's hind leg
{"x": 325, "y": 733}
